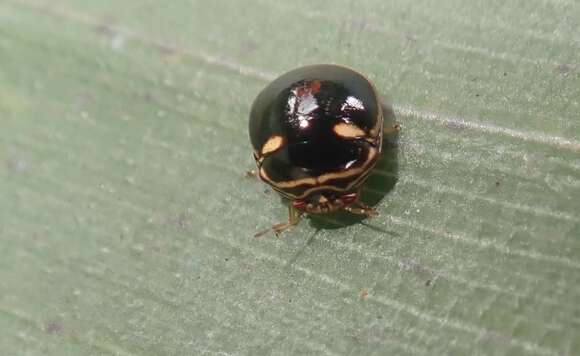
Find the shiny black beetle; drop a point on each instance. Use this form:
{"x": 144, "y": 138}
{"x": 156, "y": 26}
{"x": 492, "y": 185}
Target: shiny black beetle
{"x": 316, "y": 132}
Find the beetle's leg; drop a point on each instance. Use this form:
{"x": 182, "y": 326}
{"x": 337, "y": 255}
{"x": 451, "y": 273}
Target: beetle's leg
{"x": 359, "y": 208}
{"x": 391, "y": 129}
{"x": 293, "y": 219}
{"x": 252, "y": 173}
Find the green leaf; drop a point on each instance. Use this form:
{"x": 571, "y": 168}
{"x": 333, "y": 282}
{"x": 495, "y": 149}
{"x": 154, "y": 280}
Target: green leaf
{"x": 126, "y": 221}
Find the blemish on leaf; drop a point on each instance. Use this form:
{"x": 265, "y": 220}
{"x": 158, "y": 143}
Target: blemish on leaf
{"x": 181, "y": 220}
{"x": 565, "y": 68}
{"x": 106, "y": 27}
{"x": 84, "y": 98}
{"x": 495, "y": 338}
{"x": 423, "y": 272}
{"x": 53, "y": 328}
{"x": 171, "y": 51}
{"x": 16, "y": 165}
{"x": 248, "y": 46}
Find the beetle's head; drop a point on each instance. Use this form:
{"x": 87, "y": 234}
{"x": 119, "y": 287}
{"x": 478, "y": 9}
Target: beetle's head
{"x": 324, "y": 202}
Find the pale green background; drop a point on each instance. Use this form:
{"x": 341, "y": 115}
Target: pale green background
{"x": 126, "y": 222}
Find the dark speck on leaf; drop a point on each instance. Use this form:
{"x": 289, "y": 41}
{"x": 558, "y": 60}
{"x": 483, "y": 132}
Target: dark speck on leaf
{"x": 16, "y": 165}
{"x": 53, "y": 328}
{"x": 505, "y": 74}
{"x": 459, "y": 126}
{"x": 428, "y": 283}
{"x": 249, "y": 46}
{"x": 495, "y": 338}
{"x": 181, "y": 220}
{"x": 565, "y": 68}
{"x": 106, "y": 27}
{"x": 148, "y": 96}
{"x": 497, "y": 183}
{"x": 409, "y": 37}
{"x": 168, "y": 48}
{"x": 84, "y": 98}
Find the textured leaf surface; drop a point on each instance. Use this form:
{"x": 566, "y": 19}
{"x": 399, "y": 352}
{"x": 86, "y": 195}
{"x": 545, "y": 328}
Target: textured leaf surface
{"x": 126, "y": 222}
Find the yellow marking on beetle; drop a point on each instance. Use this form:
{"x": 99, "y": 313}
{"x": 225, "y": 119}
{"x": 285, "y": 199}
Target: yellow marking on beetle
{"x": 348, "y": 130}
{"x": 316, "y": 182}
{"x": 350, "y": 172}
{"x": 376, "y": 130}
{"x": 258, "y": 158}
{"x": 310, "y": 191}
{"x": 286, "y": 184}
{"x": 274, "y": 143}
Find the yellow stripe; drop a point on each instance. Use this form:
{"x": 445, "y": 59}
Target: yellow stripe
{"x": 316, "y": 181}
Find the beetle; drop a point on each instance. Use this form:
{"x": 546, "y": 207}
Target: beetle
{"x": 316, "y": 133}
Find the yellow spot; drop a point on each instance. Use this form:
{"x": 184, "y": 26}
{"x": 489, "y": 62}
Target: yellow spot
{"x": 348, "y": 130}
{"x": 274, "y": 143}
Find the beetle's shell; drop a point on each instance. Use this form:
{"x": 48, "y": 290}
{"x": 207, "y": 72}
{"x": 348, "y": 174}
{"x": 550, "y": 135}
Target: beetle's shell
{"x": 316, "y": 128}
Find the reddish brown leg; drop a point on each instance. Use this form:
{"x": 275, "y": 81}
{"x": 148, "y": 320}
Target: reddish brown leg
{"x": 252, "y": 173}
{"x": 293, "y": 219}
{"x": 389, "y": 130}
{"x": 359, "y": 208}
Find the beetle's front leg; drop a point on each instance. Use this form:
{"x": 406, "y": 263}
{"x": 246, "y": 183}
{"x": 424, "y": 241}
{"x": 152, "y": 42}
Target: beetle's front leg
{"x": 359, "y": 208}
{"x": 252, "y": 173}
{"x": 293, "y": 219}
{"x": 392, "y": 129}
